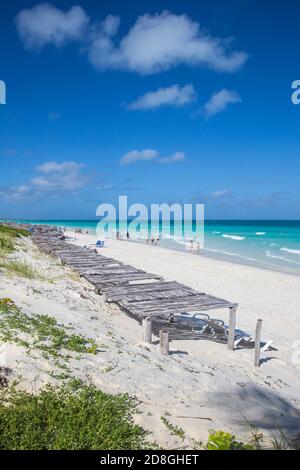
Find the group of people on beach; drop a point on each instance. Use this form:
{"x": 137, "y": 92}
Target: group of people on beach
{"x": 193, "y": 246}
{"x": 80, "y": 230}
{"x": 119, "y": 236}
{"x": 153, "y": 240}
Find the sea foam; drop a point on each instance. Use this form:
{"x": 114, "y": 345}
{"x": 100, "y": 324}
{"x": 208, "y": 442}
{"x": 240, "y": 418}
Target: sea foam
{"x": 289, "y": 250}
{"x": 233, "y": 237}
{"x": 282, "y": 258}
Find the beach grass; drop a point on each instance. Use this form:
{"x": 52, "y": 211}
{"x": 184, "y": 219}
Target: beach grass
{"x": 6, "y": 244}
{"x": 15, "y": 267}
{"x": 13, "y": 232}
{"x": 72, "y": 417}
{"x": 7, "y": 238}
{"x": 19, "y": 268}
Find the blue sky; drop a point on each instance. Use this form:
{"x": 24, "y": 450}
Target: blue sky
{"x": 165, "y": 101}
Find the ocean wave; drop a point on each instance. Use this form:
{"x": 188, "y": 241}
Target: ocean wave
{"x": 289, "y": 250}
{"x": 233, "y": 237}
{"x": 260, "y": 233}
{"x": 180, "y": 241}
{"x": 282, "y": 258}
{"x": 229, "y": 253}
{"x": 216, "y": 233}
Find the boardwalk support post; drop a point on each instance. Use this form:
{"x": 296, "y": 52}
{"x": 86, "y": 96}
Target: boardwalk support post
{"x": 164, "y": 342}
{"x": 257, "y": 343}
{"x": 147, "y": 327}
{"x": 232, "y": 325}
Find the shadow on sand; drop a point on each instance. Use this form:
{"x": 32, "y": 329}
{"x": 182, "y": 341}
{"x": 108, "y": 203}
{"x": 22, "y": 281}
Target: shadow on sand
{"x": 264, "y": 410}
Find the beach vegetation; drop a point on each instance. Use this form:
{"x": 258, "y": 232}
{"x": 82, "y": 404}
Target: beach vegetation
{"x": 280, "y": 441}
{"x": 20, "y": 268}
{"x": 8, "y": 236}
{"x": 40, "y": 332}
{"x": 220, "y": 440}
{"x": 109, "y": 368}
{"x": 174, "y": 430}
{"x": 72, "y": 417}
{"x": 12, "y": 232}
{"x": 6, "y": 245}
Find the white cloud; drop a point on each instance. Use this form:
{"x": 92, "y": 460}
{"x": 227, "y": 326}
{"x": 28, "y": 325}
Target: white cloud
{"x": 176, "y": 157}
{"x": 159, "y": 42}
{"x": 53, "y": 178}
{"x": 44, "y": 24}
{"x": 221, "y": 194}
{"x": 138, "y": 155}
{"x": 172, "y": 96}
{"x": 56, "y": 167}
{"x": 154, "y": 43}
{"x": 219, "y": 101}
{"x": 150, "y": 155}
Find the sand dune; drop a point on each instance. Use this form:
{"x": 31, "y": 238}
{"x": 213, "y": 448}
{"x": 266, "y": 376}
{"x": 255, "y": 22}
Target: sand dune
{"x": 201, "y": 384}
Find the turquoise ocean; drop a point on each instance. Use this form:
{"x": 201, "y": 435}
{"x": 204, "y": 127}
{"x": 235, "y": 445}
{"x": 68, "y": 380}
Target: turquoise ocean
{"x": 266, "y": 244}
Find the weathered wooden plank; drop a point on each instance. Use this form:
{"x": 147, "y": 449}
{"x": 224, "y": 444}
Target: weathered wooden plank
{"x": 78, "y": 256}
{"x": 81, "y": 260}
{"x": 125, "y": 285}
{"x": 95, "y": 267}
{"x": 147, "y": 287}
{"x": 143, "y": 296}
{"x": 115, "y": 278}
{"x": 118, "y": 282}
{"x": 92, "y": 264}
{"x": 106, "y": 271}
{"x": 165, "y": 309}
{"x": 199, "y": 299}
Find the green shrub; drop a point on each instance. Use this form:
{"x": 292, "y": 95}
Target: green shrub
{"x": 70, "y": 417}
{"x": 13, "y": 232}
{"x": 220, "y": 440}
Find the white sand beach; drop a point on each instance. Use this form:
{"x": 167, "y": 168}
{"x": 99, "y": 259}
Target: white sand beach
{"x": 201, "y": 385}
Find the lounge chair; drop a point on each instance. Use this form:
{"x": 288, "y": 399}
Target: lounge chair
{"x": 208, "y": 327}
{"x": 199, "y": 326}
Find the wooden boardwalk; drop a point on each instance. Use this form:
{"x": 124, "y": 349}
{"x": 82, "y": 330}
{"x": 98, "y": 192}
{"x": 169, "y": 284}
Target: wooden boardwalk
{"x": 141, "y": 295}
